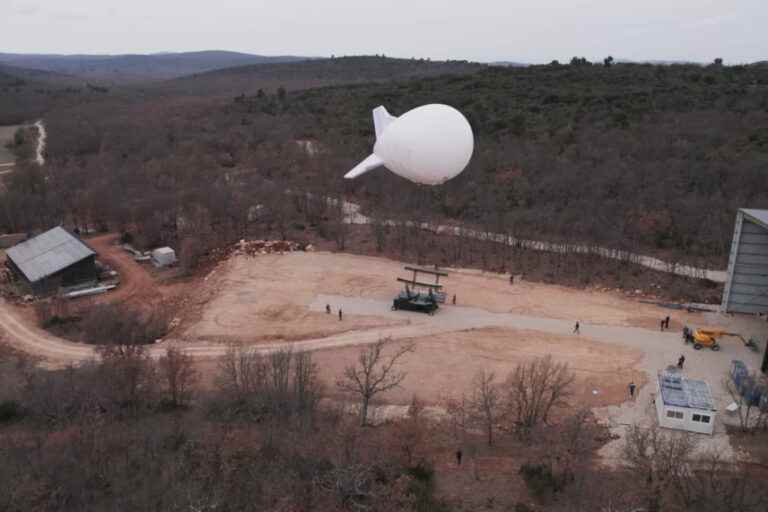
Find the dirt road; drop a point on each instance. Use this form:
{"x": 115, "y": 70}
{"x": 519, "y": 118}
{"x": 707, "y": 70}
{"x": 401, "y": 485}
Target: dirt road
{"x": 42, "y": 137}
{"x": 353, "y": 215}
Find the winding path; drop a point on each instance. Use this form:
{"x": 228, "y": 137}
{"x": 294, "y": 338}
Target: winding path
{"x": 353, "y": 215}
{"x": 42, "y": 137}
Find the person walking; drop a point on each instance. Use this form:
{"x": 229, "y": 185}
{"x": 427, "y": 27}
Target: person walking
{"x": 511, "y": 279}
{"x": 340, "y": 314}
{"x": 328, "y": 309}
{"x": 458, "y": 457}
{"x": 454, "y": 299}
{"x": 666, "y": 322}
{"x": 681, "y": 362}
{"x": 661, "y": 328}
{"x": 632, "y": 390}
{"x": 576, "y": 328}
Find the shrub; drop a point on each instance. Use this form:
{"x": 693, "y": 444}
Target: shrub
{"x": 111, "y": 323}
{"x": 540, "y": 479}
{"x": 10, "y": 410}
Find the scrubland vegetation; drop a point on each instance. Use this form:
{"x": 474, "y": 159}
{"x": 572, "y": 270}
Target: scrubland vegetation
{"x": 129, "y": 432}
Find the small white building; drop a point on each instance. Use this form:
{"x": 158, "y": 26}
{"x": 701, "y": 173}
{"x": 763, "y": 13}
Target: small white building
{"x": 684, "y": 404}
{"x": 163, "y": 257}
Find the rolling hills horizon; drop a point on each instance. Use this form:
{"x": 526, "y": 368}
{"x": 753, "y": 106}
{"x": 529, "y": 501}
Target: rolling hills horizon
{"x": 126, "y": 68}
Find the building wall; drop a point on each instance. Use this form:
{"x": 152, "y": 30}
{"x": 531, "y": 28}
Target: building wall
{"x": 686, "y": 421}
{"x": 84, "y": 270}
{"x": 746, "y": 290}
{"x": 80, "y": 272}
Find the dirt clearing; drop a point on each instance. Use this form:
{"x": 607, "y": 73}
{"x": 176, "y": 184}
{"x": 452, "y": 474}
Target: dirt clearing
{"x": 268, "y": 298}
{"x": 444, "y": 365}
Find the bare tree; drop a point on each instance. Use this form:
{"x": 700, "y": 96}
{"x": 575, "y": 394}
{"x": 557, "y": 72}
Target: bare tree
{"x": 178, "y": 374}
{"x": 534, "y": 388}
{"x": 457, "y": 412}
{"x": 751, "y": 416}
{"x": 657, "y": 458}
{"x": 409, "y": 433}
{"x": 278, "y": 381}
{"x": 719, "y": 483}
{"x": 486, "y": 400}
{"x": 307, "y": 388}
{"x": 126, "y": 375}
{"x": 280, "y": 384}
{"x": 373, "y": 374}
{"x": 242, "y": 373}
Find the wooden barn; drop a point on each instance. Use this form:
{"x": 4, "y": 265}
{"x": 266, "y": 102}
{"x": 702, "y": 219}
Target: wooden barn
{"x": 52, "y": 260}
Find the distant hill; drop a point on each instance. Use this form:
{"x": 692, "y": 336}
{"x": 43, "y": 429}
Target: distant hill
{"x": 133, "y": 68}
{"x": 509, "y": 63}
{"x": 313, "y": 73}
{"x": 26, "y": 94}
{"x": 10, "y": 74}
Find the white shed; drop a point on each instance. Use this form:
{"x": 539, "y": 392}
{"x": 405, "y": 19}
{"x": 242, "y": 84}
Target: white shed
{"x": 684, "y": 404}
{"x": 163, "y": 257}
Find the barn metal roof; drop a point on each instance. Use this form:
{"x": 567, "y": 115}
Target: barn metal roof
{"x": 48, "y": 253}
{"x": 761, "y": 216}
{"x": 678, "y": 391}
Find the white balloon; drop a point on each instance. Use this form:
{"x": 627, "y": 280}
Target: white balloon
{"x": 429, "y": 145}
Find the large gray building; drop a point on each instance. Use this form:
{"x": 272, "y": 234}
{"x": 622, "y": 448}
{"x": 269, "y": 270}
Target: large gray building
{"x": 746, "y": 287}
{"x": 51, "y": 260}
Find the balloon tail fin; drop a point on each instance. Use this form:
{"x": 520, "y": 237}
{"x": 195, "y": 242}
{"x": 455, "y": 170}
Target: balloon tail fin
{"x": 381, "y": 118}
{"x": 369, "y": 164}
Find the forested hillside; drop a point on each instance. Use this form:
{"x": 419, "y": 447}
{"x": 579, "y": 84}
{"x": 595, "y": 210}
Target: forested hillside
{"x": 28, "y": 93}
{"x": 649, "y": 158}
{"x": 249, "y": 79}
{"x": 638, "y": 156}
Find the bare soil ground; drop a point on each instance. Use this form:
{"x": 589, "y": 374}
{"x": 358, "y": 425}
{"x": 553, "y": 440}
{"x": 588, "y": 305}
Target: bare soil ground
{"x": 443, "y": 366}
{"x": 138, "y": 286}
{"x": 268, "y": 297}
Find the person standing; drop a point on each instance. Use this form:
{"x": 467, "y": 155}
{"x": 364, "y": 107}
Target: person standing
{"x": 328, "y": 309}
{"x": 632, "y": 390}
{"x": 454, "y": 299}
{"x": 681, "y": 362}
{"x": 340, "y": 314}
{"x": 661, "y": 328}
{"x": 458, "y": 457}
{"x": 666, "y": 322}
{"x": 576, "y": 328}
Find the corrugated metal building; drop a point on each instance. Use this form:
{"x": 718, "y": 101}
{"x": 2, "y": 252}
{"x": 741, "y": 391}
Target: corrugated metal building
{"x": 746, "y": 287}
{"x": 51, "y": 260}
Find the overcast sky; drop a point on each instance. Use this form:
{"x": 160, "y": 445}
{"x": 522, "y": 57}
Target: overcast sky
{"x": 483, "y": 30}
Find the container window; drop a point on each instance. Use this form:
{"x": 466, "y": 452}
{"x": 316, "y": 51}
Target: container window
{"x": 705, "y": 419}
{"x": 697, "y": 417}
{"x": 675, "y": 414}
